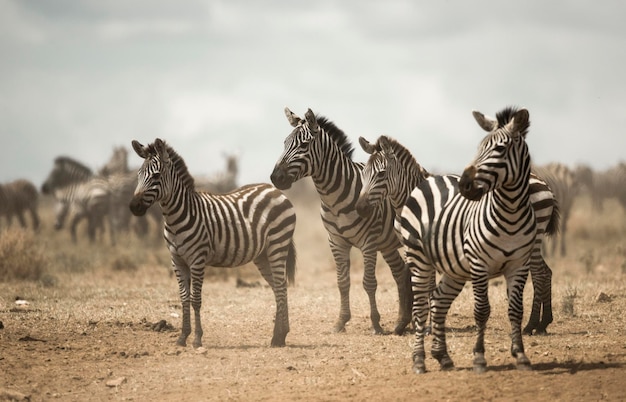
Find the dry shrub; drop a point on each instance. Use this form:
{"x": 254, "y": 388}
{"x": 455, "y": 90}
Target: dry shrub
{"x": 21, "y": 256}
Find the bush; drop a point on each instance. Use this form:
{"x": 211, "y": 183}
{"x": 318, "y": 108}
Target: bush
{"x": 21, "y": 257}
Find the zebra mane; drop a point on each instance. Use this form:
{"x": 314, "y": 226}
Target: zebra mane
{"x": 403, "y": 154}
{"x": 66, "y": 160}
{"x": 337, "y": 135}
{"x": 505, "y": 115}
{"x": 179, "y": 165}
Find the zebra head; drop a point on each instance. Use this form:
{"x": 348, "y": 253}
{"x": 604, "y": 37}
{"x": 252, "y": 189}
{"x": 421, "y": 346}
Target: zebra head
{"x": 295, "y": 161}
{"x": 152, "y": 177}
{"x": 503, "y": 160}
{"x": 65, "y": 171}
{"x": 375, "y": 174}
{"x": 61, "y": 210}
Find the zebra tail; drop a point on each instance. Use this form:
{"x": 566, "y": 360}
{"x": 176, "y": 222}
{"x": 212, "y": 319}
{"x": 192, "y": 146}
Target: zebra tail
{"x": 555, "y": 220}
{"x": 291, "y": 264}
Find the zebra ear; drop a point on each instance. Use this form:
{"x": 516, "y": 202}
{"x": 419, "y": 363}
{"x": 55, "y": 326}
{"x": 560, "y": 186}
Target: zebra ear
{"x": 485, "y": 122}
{"x": 386, "y": 147}
{"x": 291, "y": 116}
{"x": 159, "y": 144}
{"x": 367, "y": 146}
{"x": 140, "y": 149}
{"x": 311, "y": 121}
{"x": 520, "y": 121}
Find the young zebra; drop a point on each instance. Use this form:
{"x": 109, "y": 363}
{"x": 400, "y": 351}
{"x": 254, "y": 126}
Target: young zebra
{"x": 391, "y": 172}
{"x": 475, "y": 228}
{"x": 15, "y": 198}
{"x": 317, "y": 148}
{"x": 253, "y": 223}
{"x": 76, "y": 189}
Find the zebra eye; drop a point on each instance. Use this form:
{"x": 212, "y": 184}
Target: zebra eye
{"x": 382, "y": 175}
{"x": 156, "y": 175}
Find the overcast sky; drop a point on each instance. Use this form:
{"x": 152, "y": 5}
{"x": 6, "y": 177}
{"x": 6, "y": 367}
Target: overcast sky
{"x": 80, "y": 77}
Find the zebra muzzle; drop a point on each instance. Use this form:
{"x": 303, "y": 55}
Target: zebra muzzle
{"x": 363, "y": 207}
{"x": 280, "y": 179}
{"x": 137, "y": 206}
{"x": 467, "y": 185}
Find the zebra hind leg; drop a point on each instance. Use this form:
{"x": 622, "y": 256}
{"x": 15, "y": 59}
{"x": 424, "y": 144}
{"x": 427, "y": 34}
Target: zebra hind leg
{"x": 402, "y": 278}
{"x": 541, "y": 314}
{"x": 277, "y": 280}
{"x": 515, "y": 293}
{"x": 440, "y": 301}
{"x": 342, "y": 262}
{"x": 482, "y": 310}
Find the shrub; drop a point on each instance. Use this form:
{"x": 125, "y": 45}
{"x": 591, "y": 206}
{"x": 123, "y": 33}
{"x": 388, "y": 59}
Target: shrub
{"x": 21, "y": 256}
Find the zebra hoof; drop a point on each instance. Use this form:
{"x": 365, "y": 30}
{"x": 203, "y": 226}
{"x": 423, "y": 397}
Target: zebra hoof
{"x": 523, "y": 363}
{"x": 480, "y": 364}
{"x": 446, "y": 364}
{"x": 339, "y": 327}
{"x": 181, "y": 342}
{"x": 419, "y": 367}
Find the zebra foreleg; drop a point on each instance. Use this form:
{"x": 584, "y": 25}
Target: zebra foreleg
{"x": 515, "y": 293}
{"x": 401, "y": 275}
{"x": 197, "y": 276}
{"x": 420, "y": 288}
{"x": 342, "y": 261}
{"x": 276, "y": 278}
{"x": 184, "y": 288}
{"x": 440, "y": 301}
{"x": 370, "y": 285}
{"x": 482, "y": 310}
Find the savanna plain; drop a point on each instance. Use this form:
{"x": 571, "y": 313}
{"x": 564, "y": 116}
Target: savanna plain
{"x": 91, "y": 322}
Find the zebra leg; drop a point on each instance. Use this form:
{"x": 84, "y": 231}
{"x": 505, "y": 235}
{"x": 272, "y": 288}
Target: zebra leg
{"x": 20, "y": 218}
{"x": 183, "y": 276}
{"x": 515, "y": 293}
{"x": 541, "y": 314}
{"x": 482, "y": 310}
{"x": 35, "y": 218}
{"x": 370, "y": 285}
{"x": 440, "y": 301}
{"x": 197, "y": 277}
{"x": 401, "y": 275}
{"x": 420, "y": 285}
{"x": 275, "y": 276}
{"x": 341, "y": 254}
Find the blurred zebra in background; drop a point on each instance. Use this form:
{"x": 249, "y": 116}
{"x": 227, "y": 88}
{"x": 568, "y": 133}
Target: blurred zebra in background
{"x": 566, "y": 187}
{"x": 392, "y": 172}
{"x": 19, "y": 196}
{"x": 122, "y": 182}
{"x": 606, "y": 184}
{"x": 223, "y": 181}
{"x": 78, "y": 191}
{"x": 254, "y": 223}
{"x": 319, "y": 149}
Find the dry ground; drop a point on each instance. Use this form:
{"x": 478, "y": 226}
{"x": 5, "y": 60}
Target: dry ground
{"x": 91, "y": 330}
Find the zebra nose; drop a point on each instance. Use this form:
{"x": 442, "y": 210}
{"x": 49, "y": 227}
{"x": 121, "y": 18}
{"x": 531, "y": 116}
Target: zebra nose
{"x": 137, "y": 207}
{"x": 363, "y": 207}
{"x": 280, "y": 179}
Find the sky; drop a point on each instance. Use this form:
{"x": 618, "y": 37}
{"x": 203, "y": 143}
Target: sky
{"x": 80, "y": 77}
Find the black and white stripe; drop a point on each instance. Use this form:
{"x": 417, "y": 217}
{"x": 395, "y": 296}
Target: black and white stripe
{"x": 317, "y": 148}
{"x": 472, "y": 229}
{"x": 254, "y": 223}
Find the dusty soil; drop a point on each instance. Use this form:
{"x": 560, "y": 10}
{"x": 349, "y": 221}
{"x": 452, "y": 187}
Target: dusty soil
{"x": 110, "y": 335}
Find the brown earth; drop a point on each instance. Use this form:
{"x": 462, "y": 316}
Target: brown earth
{"x": 93, "y": 331}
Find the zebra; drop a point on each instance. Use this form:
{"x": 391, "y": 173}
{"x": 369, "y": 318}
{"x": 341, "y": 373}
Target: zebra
{"x": 221, "y": 182}
{"x": 75, "y": 188}
{"x": 318, "y": 148}
{"x": 391, "y": 172}
{"x": 565, "y": 185}
{"x": 16, "y": 197}
{"x": 254, "y": 223}
{"x": 473, "y": 228}
{"x": 607, "y": 184}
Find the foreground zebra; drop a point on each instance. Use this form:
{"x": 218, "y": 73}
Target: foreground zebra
{"x": 475, "y": 228}
{"x": 75, "y": 189}
{"x": 391, "y": 172}
{"x": 15, "y": 198}
{"x": 317, "y": 148}
{"x": 253, "y": 223}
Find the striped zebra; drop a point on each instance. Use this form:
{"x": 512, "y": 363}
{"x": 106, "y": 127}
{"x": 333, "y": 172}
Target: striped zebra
{"x": 565, "y": 185}
{"x": 317, "y": 148}
{"x": 253, "y": 223}
{"x": 473, "y": 228}
{"x": 608, "y": 184}
{"x": 76, "y": 190}
{"x": 15, "y": 198}
{"x": 391, "y": 172}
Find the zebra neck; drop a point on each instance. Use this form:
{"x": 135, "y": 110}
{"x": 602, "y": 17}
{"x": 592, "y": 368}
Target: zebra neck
{"x": 177, "y": 203}
{"x": 405, "y": 184}
{"x": 337, "y": 179}
{"x": 515, "y": 199}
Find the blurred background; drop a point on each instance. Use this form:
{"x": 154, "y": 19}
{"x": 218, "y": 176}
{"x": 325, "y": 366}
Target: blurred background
{"x": 79, "y": 78}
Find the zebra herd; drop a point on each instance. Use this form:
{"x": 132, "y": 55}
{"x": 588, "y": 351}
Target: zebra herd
{"x": 436, "y": 232}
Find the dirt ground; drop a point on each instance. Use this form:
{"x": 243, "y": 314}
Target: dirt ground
{"x": 104, "y": 334}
